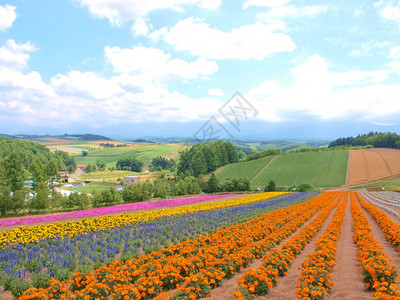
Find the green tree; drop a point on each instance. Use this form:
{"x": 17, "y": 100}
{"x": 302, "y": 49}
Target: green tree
{"x": 192, "y": 185}
{"x": 101, "y": 165}
{"x": 18, "y": 200}
{"x": 160, "y": 189}
{"x": 132, "y": 164}
{"x": 5, "y": 200}
{"x": 161, "y": 162}
{"x": 270, "y": 187}
{"x": 305, "y": 187}
{"x": 212, "y": 184}
{"x": 41, "y": 200}
{"x": 14, "y": 171}
{"x": 90, "y": 168}
{"x": 37, "y": 171}
{"x": 52, "y": 175}
{"x": 137, "y": 192}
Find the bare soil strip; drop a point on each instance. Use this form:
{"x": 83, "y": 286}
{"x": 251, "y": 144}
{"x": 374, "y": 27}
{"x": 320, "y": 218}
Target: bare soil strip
{"x": 263, "y": 169}
{"x": 367, "y": 165}
{"x": 346, "y": 275}
{"x": 229, "y": 286}
{"x": 380, "y": 237}
{"x": 286, "y": 285}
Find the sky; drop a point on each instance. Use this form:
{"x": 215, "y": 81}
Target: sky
{"x": 200, "y": 68}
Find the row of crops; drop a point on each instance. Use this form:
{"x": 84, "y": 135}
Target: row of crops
{"x": 186, "y": 252}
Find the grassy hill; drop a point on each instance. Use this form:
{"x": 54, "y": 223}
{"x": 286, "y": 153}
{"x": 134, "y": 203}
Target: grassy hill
{"x": 143, "y": 152}
{"x": 248, "y": 169}
{"x": 321, "y": 169}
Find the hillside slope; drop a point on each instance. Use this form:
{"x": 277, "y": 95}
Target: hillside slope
{"x": 367, "y": 165}
{"x": 247, "y": 169}
{"x": 321, "y": 169}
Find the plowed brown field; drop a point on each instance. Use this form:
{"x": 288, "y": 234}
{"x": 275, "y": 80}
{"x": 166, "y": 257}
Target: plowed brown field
{"x": 372, "y": 164}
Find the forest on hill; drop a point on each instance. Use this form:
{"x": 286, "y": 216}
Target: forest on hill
{"x": 371, "y": 139}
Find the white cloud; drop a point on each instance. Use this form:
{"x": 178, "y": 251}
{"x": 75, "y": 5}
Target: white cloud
{"x": 14, "y": 80}
{"x": 85, "y": 84}
{"x": 394, "y": 52}
{"x": 391, "y": 12}
{"x": 210, "y": 4}
{"x": 369, "y": 48}
{"x": 119, "y": 12}
{"x": 294, "y": 11}
{"x": 7, "y": 17}
{"x": 140, "y": 27}
{"x": 255, "y": 41}
{"x": 215, "y": 92}
{"x": 321, "y": 93}
{"x": 154, "y": 63}
{"x": 15, "y": 56}
{"x": 264, "y": 3}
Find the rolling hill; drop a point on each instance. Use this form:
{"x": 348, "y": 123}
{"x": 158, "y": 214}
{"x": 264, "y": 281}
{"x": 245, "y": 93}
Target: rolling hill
{"x": 321, "y": 169}
{"x": 143, "y": 152}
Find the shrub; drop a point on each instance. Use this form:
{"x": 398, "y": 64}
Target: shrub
{"x": 305, "y": 187}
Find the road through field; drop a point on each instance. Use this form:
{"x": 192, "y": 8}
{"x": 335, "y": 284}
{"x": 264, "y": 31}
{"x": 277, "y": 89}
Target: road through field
{"x": 266, "y": 166}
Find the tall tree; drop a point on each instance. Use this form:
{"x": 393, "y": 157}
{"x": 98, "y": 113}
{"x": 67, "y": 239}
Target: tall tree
{"x": 212, "y": 184}
{"x": 52, "y": 174}
{"x": 38, "y": 173}
{"x": 14, "y": 171}
{"x": 41, "y": 200}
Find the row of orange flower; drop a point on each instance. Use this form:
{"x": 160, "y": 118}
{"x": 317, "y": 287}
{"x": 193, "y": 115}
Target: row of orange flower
{"x": 277, "y": 262}
{"x": 189, "y": 289}
{"x": 198, "y": 264}
{"x": 378, "y": 274}
{"x": 315, "y": 279}
{"x": 390, "y": 228}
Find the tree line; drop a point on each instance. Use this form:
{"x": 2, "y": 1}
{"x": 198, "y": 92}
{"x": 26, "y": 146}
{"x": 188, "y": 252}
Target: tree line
{"x": 24, "y": 160}
{"x": 372, "y": 139}
{"x": 204, "y": 158}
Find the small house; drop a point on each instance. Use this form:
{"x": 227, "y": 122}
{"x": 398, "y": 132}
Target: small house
{"x": 131, "y": 179}
{"x": 63, "y": 177}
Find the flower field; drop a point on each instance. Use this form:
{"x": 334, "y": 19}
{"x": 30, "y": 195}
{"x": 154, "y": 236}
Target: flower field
{"x": 107, "y": 210}
{"x": 242, "y": 248}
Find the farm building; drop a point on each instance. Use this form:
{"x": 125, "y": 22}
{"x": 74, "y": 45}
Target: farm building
{"x": 63, "y": 177}
{"x": 82, "y": 167}
{"x": 131, "y": 179}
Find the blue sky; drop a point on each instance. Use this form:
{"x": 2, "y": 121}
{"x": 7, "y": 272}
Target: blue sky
{"x": 132, "y": 68}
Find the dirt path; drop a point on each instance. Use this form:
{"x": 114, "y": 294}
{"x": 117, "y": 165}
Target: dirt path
{"x": 286, "y": 285}
{"x": 346, "y": 275}
{"x": 378, "y": 234}
{"x": 229, "y": 286}
{"x": 264, "y": 168}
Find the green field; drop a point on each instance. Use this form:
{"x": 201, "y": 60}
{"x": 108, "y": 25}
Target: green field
{"x": 321, "y": 169}
{"x": 247, "y": 169}
{"x": 143, "y": 152}
{"x": 109, "y": 175}
{"x": 94, "y": 187}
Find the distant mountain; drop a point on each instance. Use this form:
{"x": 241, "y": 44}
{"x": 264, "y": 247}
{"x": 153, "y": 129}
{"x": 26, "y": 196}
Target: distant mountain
{"x": 141, "y": 141}
{"x": 89, "y": 137}
{"x": 9, "y": 136}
